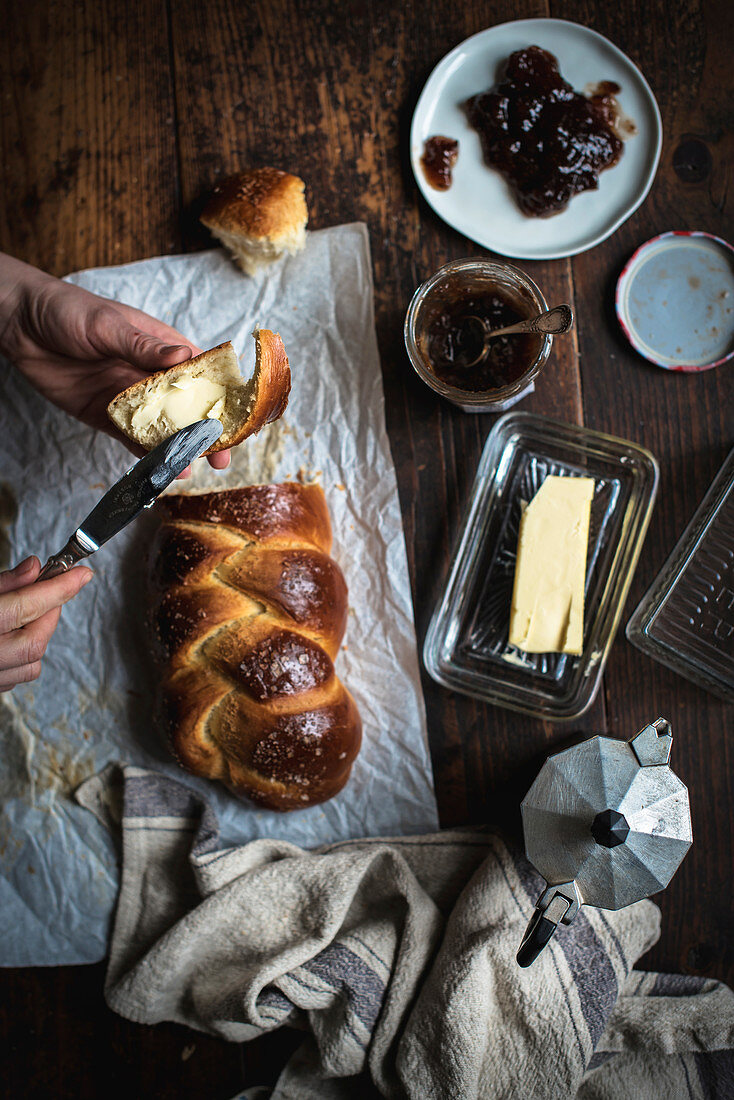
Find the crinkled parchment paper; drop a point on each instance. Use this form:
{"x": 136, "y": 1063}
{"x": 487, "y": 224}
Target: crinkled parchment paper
{"x": 93, "y": 701}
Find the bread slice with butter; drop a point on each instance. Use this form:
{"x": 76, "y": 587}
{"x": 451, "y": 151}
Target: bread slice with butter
{"x": 207, "y": 386}
{"x": 548, "y": 593}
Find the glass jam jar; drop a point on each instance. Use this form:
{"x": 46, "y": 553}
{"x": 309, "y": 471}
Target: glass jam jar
{"x": 444, "y": 333}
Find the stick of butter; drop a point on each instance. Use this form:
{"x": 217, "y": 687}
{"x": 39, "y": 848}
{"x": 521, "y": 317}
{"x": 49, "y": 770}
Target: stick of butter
{"x": 548, "y": 594}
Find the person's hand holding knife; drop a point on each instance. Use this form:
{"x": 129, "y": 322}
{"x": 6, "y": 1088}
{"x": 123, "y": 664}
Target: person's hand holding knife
{"x": 28, "y": 616}
{"x": 78, "y": 350}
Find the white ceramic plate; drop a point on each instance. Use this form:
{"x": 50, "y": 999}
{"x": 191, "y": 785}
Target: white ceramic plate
{"x": 479, "y": 203}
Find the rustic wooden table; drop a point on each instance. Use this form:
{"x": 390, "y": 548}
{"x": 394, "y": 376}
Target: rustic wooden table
{"x": 117, "y": 118}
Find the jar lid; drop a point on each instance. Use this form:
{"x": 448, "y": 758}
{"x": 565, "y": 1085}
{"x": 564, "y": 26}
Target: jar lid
{"x": 675, "y": 301}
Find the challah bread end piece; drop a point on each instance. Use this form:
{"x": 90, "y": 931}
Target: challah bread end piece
{"x": 249, "y": 611}
{"x": 258, "y": 216}
{"x": 209, "y": 385}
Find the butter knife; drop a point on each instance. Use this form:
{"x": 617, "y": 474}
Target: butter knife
{"x": 136, "y": 490}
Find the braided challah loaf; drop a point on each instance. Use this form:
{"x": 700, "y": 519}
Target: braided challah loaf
{"x": 249, "y": 613}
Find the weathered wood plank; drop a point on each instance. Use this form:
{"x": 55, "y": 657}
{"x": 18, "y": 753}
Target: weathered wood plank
{"x": 87, "y": 136}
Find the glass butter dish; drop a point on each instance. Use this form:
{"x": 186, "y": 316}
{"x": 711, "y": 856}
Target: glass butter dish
{"x": 686, "y": 619}
{"x": 467, "y": 647}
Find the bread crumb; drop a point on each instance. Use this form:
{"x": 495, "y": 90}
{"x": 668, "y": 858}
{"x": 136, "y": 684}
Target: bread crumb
{"x": 305, "y": 476}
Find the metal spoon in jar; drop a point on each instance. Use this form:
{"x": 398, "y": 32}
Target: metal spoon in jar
{"x": 553, "y": 322}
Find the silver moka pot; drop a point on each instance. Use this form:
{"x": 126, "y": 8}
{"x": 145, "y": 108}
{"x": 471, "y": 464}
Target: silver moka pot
{"x": 606, "y": 823}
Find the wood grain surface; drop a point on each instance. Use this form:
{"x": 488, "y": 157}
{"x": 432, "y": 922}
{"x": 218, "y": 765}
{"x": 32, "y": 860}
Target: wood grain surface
{"x": 117, "y": 119}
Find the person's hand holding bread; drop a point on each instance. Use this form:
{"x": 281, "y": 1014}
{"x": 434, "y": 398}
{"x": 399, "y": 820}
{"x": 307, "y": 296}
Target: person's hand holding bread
{"x": 115, "y": 368}
{"x": 80, "y": 350}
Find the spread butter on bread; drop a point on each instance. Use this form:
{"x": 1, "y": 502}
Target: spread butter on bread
{"x": 210, "y": 385}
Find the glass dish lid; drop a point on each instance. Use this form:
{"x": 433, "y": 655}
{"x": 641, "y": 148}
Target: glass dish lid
{"x": 686, "y": 619}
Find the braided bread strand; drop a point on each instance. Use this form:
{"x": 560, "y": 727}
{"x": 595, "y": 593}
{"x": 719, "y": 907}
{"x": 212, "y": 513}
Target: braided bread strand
{"x": 249, "y": 612}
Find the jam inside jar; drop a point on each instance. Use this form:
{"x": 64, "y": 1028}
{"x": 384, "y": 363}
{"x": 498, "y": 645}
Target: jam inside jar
{"x": 445, "y": 333}
{"x": 452, "y": 339}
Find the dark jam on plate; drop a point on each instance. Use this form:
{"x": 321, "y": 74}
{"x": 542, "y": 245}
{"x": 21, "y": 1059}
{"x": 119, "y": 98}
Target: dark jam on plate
{"x": 603, "y": 98}
{"x": 548, "y": 141}
{"x": 449, "y": 340}
{"x": 438, "y": 160}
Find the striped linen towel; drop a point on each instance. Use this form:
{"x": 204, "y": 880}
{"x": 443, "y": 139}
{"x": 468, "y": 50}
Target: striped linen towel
{"x": 397, "y": 956}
